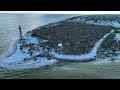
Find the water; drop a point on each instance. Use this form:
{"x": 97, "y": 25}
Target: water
{"x": 9, "y": 26}
{"x": 9, "y": 33}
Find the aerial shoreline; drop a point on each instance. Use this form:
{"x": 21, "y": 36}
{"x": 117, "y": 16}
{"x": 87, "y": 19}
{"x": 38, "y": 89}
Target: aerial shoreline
{"x": 17, "y": 67}
{"x": 14, "y": 58}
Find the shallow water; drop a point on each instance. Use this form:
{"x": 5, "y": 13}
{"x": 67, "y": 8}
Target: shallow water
{"x": 67, "y": 70}
{"x": 9, "y": 25}
{"x": 9, "y": 32}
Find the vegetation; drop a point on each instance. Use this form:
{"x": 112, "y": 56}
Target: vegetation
{"x": 95, "y": 18}
{"x": 109, "y": 41}
{"x": 116, "y": 31}
{"x": 109, "y": 48}
{"x": 76, "y": 38}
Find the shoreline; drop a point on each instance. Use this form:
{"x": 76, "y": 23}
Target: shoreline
{"x": 18, "y": 65}
{"x": 22, "y": 64}
{"x": 10, "y": 52}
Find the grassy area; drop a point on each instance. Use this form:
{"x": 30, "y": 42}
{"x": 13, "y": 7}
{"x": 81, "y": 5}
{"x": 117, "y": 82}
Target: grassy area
{"x": 109, "y": 47}
{"x": 76, "y": 38}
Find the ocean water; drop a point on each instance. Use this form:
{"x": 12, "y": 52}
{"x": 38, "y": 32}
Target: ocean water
{"x": 89, "y": 70}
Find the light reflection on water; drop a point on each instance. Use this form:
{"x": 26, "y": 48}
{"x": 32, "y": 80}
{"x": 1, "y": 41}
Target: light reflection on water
{"x": 9, "y": 32}
{"x": 9, "y": 26}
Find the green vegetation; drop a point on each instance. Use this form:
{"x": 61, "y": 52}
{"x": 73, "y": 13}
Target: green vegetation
{"x": 76, "y": 38}
{"x": 110, "y": 47}
{"x": 116, "y": 31}
{"x": 109, "y": 41}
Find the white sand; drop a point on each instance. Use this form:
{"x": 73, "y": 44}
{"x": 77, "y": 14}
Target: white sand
{"x": 16, "y": 60}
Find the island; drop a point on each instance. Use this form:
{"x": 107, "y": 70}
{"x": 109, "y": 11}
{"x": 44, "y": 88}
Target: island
{"x": 77, "y": 39}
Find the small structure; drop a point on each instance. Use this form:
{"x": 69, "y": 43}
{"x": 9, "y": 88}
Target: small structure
{"x": 60, "y": 45}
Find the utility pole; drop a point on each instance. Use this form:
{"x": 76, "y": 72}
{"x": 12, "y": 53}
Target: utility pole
{"x": 20, "y": 32}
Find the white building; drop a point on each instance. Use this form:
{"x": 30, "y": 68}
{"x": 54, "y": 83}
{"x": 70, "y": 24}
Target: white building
{"x": 60, "y": 45}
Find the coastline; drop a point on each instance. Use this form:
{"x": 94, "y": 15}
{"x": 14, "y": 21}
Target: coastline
{"x": 18, "y": 65}
{"x": 10, "y": 52}
{"x": 17, "y": 59}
